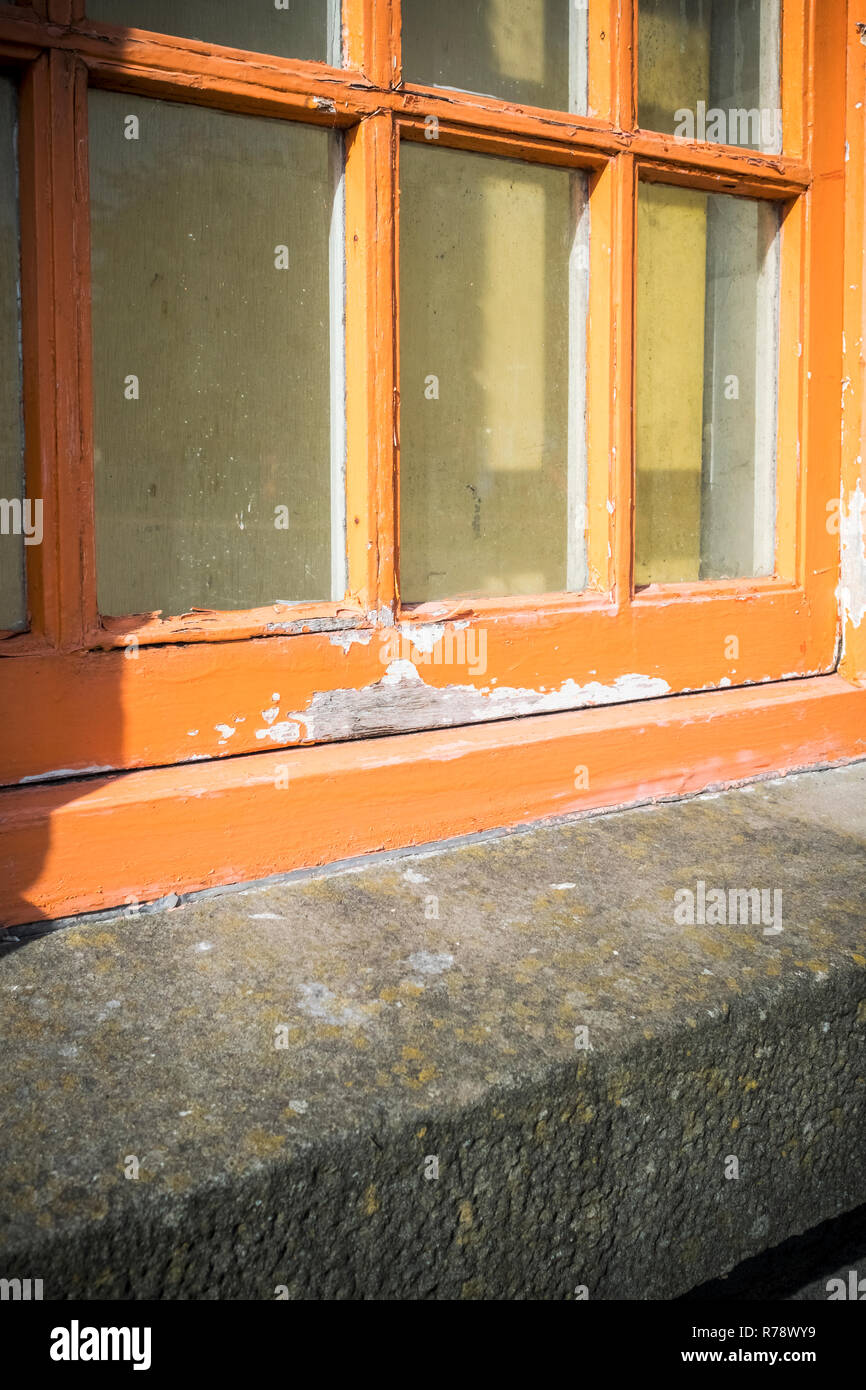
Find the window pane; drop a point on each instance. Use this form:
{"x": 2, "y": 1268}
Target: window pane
{"x": 706, "y": 362}
{"x": 292, "y": 29}
{"x": 17, "y": 517}
{"x": 493, "y": 275}
{"x": 709, "y": 70}
{"x": 532, "y": 52}
{"x": 211, "y": 308}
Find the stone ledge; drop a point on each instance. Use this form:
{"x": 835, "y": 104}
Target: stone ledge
{"x": 411, "y": 1036}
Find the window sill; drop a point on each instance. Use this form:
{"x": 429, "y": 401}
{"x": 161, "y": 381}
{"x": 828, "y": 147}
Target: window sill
{"x": 79, "y": 846}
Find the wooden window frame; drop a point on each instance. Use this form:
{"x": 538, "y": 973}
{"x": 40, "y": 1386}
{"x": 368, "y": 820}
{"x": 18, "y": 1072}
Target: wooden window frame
{"x": 195, "y": 669}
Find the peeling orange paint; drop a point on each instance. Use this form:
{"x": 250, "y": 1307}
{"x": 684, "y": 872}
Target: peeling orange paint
{"x": 67, "y": 848}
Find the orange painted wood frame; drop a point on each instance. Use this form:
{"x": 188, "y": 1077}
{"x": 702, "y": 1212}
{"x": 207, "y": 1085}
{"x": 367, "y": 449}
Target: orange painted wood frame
{"x": 850, "y": 517}
{"x": 177, "y": 704}
{"x": 71, "y": 847}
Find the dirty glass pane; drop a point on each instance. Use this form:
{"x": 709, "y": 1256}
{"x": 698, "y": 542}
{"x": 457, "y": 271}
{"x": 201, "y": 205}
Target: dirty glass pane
{"x": 709, "y": 70}
{"x": 212, "y": 331}
{"x": 19, "y": 519}
{"x": 532, "y": 52}
{"x": 285, "y": 28}
{"x": 706, "y": 373}
{"x": 493, "y": 275}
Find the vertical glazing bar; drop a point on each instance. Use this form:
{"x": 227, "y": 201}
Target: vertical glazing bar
{"x": 37, "y": 341}
{"x": 602, "y": 58}
{"x": 73, "y": 367}
{"x": 372, "y": 39}
{"x": 64, "y": 11}
{"x": 371, "y": 405}
{"x": 797, "y": 25}
{"x": 623, "y": 271}
{"x": 625, "y": 64}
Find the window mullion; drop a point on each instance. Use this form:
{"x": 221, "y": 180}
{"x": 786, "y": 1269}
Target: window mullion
{"x": 37, "y": 310}
{"x": 624, "y": 27}
{"x": 620, "y": 503}
{"x": 64, "y": 11}
{"x": 372, "y": 34}
{"x": 70, "y": 252}
{"x": 371, "y": 398}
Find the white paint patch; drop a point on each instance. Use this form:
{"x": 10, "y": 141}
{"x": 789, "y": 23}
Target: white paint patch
{"x": 571, "y": 695}
{"x": 397, "y": 671}
{"x": 226, "y": 730}
{"x": 401, "y": 701}
{"x": 286, "y": 732}
{"x": 851, "y": 593}
{"x": 351, "y": 635}
{"x": 269, "y": 715}
{"x": 424, "y": 636}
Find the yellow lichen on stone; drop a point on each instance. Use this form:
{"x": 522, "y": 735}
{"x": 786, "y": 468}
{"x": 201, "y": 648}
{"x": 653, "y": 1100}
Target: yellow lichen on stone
{"x": 88, "y": 938}
{"x": 262, "y": 1144}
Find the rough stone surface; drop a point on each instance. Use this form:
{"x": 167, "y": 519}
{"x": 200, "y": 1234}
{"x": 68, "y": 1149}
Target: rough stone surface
{"x": 410, "y": 1035}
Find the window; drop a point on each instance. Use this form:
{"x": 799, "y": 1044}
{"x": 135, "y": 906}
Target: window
{"x": 531, "y": 52}
{"x": 212, "y": 318}
{"x": 396, "y": 366}
{"x": 710, "y": 71}
{"x": 284, "y": 28}
{"x": 493, "y": 285}
{"x": 706, "y": 380}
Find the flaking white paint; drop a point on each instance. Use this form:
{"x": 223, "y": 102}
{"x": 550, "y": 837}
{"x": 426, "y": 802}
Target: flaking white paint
{"x": 349, "y": 636}
{"x": 401, "y": 701}
{"x": 285, "y": 732}
{"x": 851, "y": 592}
